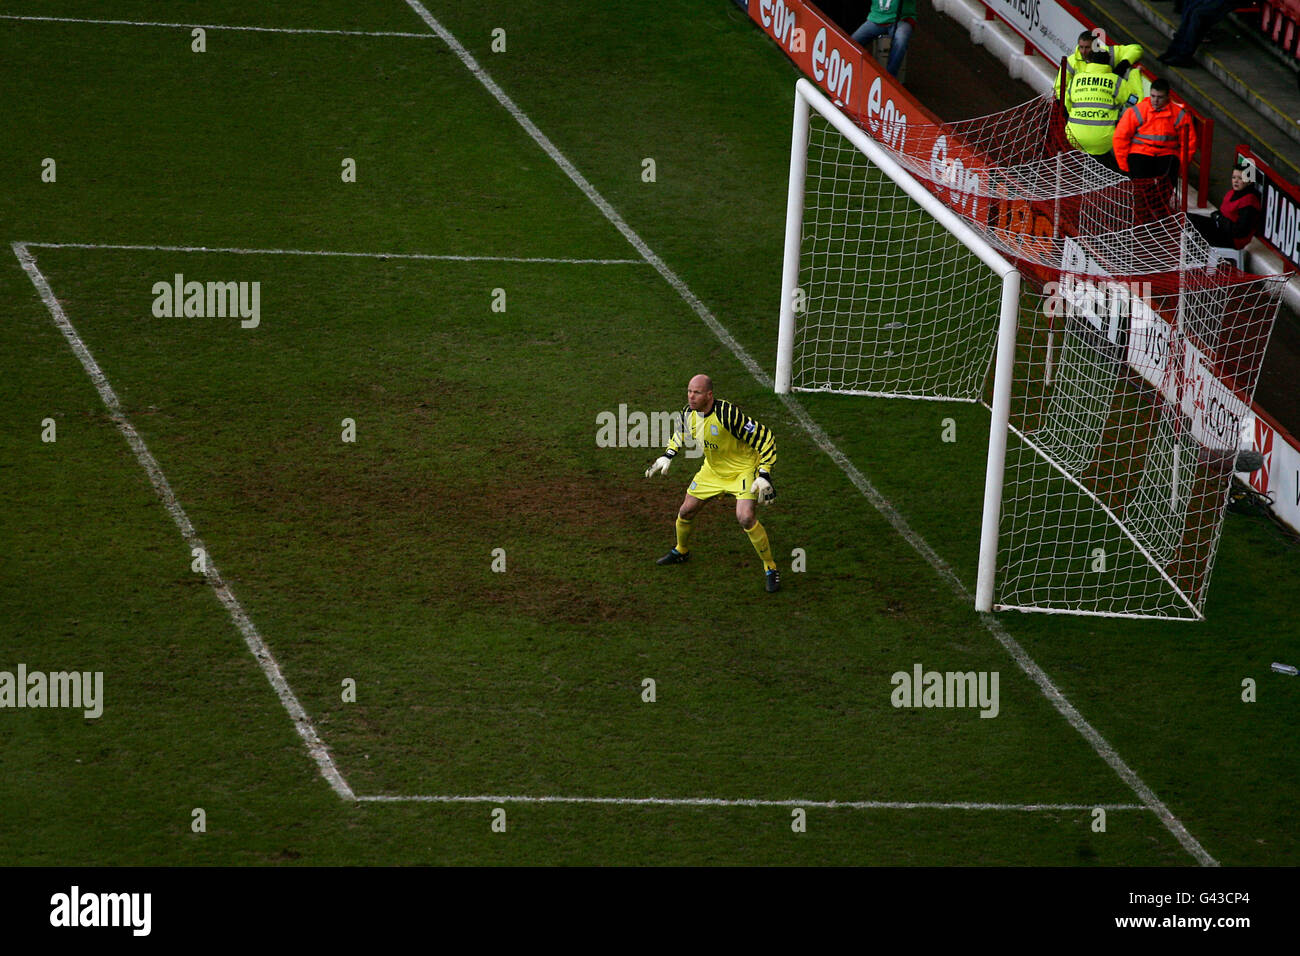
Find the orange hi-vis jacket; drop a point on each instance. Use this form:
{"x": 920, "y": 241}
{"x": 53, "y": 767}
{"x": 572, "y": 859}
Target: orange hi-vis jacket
{"x": 1152, "y": 132}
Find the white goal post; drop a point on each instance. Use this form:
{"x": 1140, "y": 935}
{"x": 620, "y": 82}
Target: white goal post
{"x": 927, "y": 329}
{"x": 1120, "y": 370}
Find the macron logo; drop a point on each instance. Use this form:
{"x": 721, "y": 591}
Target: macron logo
{"x": 103, "y": 909}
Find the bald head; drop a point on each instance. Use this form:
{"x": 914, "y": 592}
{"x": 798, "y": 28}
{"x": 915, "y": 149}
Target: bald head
{"x": 699, "y": 394}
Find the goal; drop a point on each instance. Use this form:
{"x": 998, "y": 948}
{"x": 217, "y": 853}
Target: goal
{"x": 886, "y": 292}
{"x": 1118, "y": 367}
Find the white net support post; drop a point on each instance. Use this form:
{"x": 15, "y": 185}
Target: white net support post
{"x": 886, "y": 292}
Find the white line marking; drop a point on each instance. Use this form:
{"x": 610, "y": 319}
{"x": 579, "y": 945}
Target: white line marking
{"x": 315, "y": 746}
{"x": 1009, "y": 643}
{"x": 216, "y": 26}
{"x": 716, "y": 802}
{"x": 269, "y": 666}
{"x": 1118, "y": 522}
{"x": 419, "y": 256}
{"x": 881, "y": 504}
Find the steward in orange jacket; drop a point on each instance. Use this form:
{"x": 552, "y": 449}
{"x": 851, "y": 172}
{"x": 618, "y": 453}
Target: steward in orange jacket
{"x": 1148, "y": 136}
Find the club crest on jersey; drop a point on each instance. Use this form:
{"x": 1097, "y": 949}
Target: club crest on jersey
{"x": 713, "y": 429}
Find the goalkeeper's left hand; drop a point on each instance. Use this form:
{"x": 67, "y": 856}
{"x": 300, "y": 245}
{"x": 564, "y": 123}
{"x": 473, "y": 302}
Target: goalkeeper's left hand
{"x": 763, "y": 488}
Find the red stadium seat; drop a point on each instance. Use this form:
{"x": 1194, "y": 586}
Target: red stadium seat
{"x": 1278, "y": 21}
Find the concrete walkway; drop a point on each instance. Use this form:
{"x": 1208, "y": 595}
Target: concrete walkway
{"x": 1245, "y": 83}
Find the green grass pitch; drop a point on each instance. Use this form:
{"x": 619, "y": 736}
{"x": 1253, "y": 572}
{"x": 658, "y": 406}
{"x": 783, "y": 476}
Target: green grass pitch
{"x": 371, "y": 561}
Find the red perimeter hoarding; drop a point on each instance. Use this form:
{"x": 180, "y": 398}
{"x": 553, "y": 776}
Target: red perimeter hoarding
{"x": 857, "y": 84}
{"x": 835, "y": 63}
{"x": 860, "y": 86}
{"x": 1280, "y": 229}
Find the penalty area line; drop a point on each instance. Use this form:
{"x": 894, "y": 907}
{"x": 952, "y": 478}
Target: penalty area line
{"x": 721, "y": 802}
{"x": 215, "y": 26}
{"x": 417, "y": 256}
{"x": 1028, "y": 665}
{"x": 265, "y": 659}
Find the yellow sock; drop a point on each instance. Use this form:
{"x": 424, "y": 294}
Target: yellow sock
{"x": 758, "y": 538}
{"x": 683, "y": 535}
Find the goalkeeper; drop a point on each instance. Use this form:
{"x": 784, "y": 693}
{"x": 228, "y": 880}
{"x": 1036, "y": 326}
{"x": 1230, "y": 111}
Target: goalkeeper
{"x": 738, "y": 457}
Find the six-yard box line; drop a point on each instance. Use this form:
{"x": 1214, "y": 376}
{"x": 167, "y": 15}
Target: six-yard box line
{"x": 257, "y": 645}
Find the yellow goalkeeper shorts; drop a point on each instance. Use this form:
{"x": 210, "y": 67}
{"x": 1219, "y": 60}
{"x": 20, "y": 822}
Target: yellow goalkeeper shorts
{"x": 707, "y": 484}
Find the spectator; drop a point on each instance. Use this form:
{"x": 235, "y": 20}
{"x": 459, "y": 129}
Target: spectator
{"x": 1065, "y": 75}
{"x": 1148, "y": 137}
{"x": 1115, "y": 56}
{"x": 1092, "y": 105}
{"x": 894, "y": 17}
{"x": 1237, "y": 220}
{"x": 1198, "y": 17}
{"x": 1131, "y": 90}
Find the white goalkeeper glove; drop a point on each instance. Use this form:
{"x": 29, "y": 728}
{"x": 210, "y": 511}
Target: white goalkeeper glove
{"x": 660, "y": 467}
{"x": 763, "y": 488}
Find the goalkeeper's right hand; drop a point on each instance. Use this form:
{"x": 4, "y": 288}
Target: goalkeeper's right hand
{"x": 660, "y": 467}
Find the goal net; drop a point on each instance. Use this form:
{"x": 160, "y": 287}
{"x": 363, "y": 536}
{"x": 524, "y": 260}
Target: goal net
{"x": 1118, "y": 363}
{"x": 895, "y": 295}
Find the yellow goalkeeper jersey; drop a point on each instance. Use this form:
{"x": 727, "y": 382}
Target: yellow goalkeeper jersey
{"x": 733, "y": 443}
